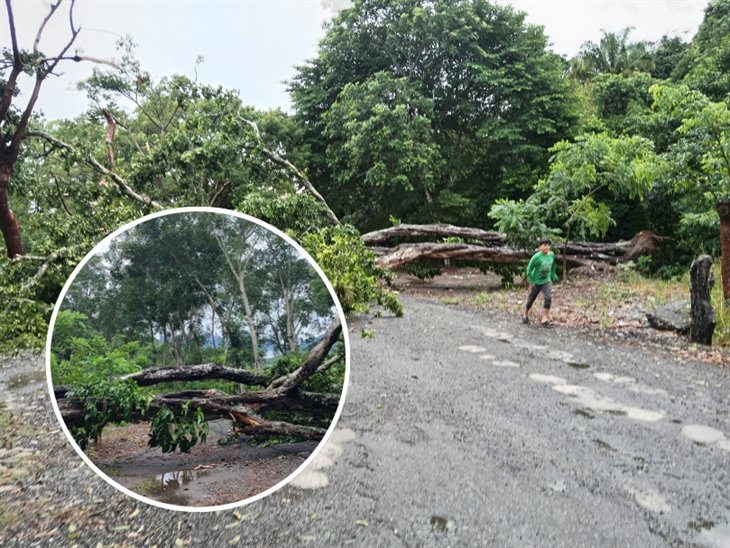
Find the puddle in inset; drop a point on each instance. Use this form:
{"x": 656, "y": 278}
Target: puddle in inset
{"x": 167, "y": 487}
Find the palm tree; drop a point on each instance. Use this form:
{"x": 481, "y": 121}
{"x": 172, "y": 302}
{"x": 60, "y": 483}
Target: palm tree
{"x": 614, "y": 54}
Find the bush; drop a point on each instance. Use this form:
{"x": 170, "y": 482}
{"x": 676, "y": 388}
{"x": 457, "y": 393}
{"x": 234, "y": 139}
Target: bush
{"x": 351, "y": 269}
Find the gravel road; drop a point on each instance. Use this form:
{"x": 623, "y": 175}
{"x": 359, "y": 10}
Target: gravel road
{"x": 461, "y": 428}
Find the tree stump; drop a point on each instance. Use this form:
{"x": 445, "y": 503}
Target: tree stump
{"x": 703, "y": 317}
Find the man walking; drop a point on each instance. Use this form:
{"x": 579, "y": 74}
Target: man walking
{"x": 541, "y": 273}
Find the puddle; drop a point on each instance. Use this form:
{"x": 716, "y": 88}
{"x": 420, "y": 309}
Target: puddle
{"x": 587, "y": 398}
{"x": 583, "y": 413}
{"x": 167, "y": 487}
{"x": 608, "y": 377}
{"x": 650, "y": 500}
{"x": 549, "y": 379}
{"x": 505, "y": 363}
{"x": 312, "y": 476}
{"x": 575, "y": 364}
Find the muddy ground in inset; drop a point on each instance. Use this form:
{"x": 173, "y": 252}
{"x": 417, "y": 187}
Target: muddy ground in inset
{"x": 209, "y": 475}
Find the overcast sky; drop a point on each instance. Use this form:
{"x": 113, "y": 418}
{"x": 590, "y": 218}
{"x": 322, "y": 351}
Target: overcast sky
{"x": 253, "y": 45}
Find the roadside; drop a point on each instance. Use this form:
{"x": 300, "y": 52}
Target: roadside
{"x": 611, "y": 304}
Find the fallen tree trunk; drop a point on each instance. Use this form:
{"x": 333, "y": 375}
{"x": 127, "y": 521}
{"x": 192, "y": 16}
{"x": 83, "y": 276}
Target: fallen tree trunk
{"x": 406, "y": 253}
{"x": 406, "y": 231}
{"x": 496, "y": 250}
{"x": 281, "y": 394}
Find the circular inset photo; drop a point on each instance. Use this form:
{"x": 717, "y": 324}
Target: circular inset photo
{"x": 198, "y": 359}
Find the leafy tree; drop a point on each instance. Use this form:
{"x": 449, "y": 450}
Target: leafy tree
{"x": 705, "y": 65}
{"x": 381, "y": 150}
{"x": 498, "y": 102}
{"x": 582, "y": 172}
{"x": 614, "y": 54}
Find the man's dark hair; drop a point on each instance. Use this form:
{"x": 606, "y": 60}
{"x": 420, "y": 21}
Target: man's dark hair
{"x": 544, "y": 241}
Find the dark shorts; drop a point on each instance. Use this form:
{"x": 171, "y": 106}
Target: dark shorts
{"x": 547, "y": 295}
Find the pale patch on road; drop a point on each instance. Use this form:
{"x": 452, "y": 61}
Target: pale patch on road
{"x": 487, "y": 357}
{"x": 608, "y": 377}
{"x": 472, "y": 348}
{"x": 312, "y": 476}
{"x": 549, "y": 379}
{"x": 706, "y": 435}
{"x": 587, "y": 397}
{"x": 505, "y": 363}
{"x": 717, "y": 537}
{"x": 651, "y": 500}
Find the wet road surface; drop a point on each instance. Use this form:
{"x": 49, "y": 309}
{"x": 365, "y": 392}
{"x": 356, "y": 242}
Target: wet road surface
{"x": 466, "y": 428}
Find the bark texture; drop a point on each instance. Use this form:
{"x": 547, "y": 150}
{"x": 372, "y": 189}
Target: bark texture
{"x": 703, "y": 317}
{"x": 723, "y": 210}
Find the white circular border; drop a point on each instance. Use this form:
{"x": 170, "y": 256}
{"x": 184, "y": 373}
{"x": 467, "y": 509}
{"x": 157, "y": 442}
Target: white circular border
{"x": 345, "y": 335}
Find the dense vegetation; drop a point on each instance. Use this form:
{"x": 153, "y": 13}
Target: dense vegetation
{"x": 412, "y": 110}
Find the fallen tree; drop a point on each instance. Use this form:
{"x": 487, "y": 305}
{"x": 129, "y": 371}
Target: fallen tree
{"x": 86, "y": 411}
{"x": 494, "y": 247}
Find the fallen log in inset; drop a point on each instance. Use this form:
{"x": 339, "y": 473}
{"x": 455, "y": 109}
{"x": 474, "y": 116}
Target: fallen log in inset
{"x": 281, "y": 394}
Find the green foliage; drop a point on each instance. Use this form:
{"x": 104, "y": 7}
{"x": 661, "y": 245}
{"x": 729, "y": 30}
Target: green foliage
{"x": 104, "y": 400}
{"x": 505, "y": 271}
{"x": 351, "y": 269}
{"x": 479, "y": 100}
{"x": 423, "y": 269}
{"x": 170, "y": 431}
{"x": 381, "y": 150}
{"x": 614, "y": 54}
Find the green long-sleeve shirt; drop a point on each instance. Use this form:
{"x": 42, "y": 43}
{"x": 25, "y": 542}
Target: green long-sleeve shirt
{"x": 542, "y": 268}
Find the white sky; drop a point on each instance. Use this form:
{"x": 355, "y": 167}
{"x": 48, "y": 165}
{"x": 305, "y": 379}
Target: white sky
{"x": 253, "y": 45}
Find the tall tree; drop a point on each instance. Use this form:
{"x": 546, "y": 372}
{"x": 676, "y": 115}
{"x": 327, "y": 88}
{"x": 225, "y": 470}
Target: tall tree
{"x": 498, "y": 102}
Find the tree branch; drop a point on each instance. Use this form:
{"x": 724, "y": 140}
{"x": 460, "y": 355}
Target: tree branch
{"x": 121, "y": 183}
{"x": 37, "y": 40}
{"x": 283, "y": 162}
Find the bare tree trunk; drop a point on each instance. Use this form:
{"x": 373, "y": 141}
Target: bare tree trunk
{"x": 8, "y": 223}
{"x": 723, "y": 209}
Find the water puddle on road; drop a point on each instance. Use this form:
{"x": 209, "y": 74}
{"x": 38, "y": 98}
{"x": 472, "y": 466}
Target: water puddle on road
{"x": 167, "y": 487}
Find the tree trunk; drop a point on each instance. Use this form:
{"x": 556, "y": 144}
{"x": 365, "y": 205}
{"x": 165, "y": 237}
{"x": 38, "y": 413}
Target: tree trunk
{"x": 407, "y": 231}
{"x": 723, "y": 210}
{"x": 703, "y": 317}
{"x": 8, "y": 223}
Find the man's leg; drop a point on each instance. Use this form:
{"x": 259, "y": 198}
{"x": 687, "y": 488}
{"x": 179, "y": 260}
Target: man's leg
{"x": 534, "y": 291}
{"x": 547, "y": 295}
